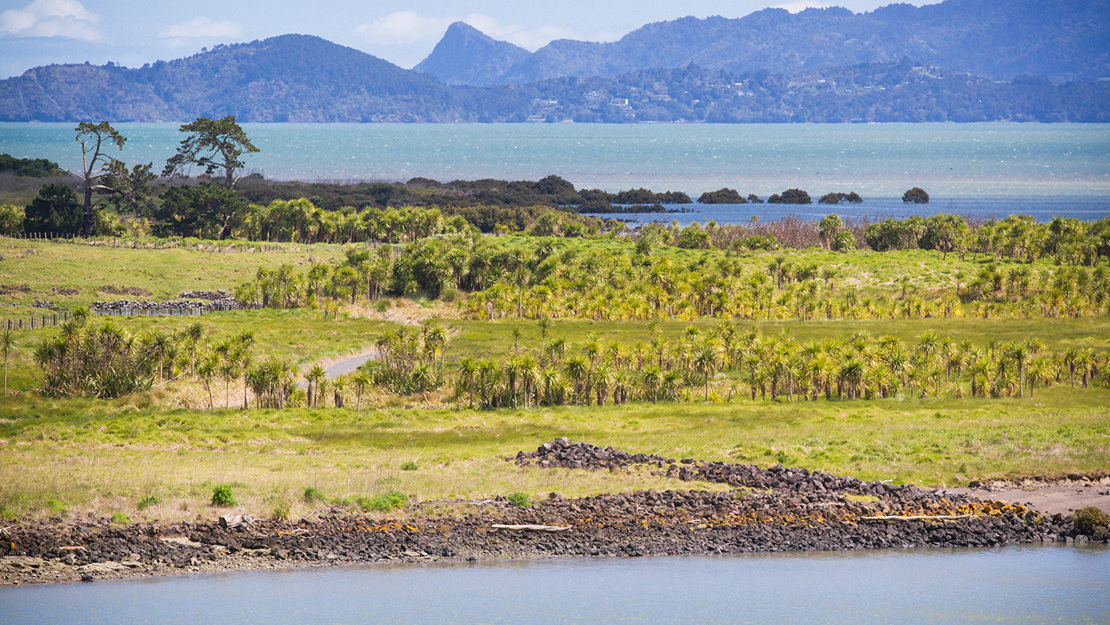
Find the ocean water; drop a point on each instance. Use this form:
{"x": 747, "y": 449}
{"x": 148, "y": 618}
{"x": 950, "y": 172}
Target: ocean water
{"x": 1008, "y": 585}
{"x": 962, "y": 166}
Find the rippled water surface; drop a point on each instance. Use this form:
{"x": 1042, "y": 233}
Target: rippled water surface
{"x": 876, "y": 160}
{"x": 1009, "y": 585}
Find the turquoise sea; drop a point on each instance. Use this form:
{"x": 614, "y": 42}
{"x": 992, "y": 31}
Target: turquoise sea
{"x": 1032, "y": 167}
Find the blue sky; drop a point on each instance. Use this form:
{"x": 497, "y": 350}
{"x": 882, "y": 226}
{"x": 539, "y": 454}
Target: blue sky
{"x": 133, "y": 32}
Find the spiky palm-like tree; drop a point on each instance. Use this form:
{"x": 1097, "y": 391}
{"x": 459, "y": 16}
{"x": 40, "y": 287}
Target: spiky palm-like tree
{"x": 7, "y": 346}
{"x": 192, "y": 334}
{"x": 315, "y": 377}
{"x": 707, "y": 360}
{"x": 361, "y": 381}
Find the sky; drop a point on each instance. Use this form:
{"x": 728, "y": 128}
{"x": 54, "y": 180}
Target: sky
{"x": 134, "y": 32}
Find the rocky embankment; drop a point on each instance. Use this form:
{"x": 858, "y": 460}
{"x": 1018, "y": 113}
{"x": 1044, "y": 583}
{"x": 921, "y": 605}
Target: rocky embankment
{"x": 187, "y": 302}
{"x": 775, "y": 509}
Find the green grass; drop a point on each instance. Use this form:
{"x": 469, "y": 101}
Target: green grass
{"x": 165, "y": 273}
{"x": 104, "y": 456}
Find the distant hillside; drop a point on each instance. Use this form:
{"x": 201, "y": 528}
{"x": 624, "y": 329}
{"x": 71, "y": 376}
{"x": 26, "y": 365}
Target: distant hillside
{"x": 1063, "y": 40}
{"x": 296, "y": 78}
{"x": 466, "y": 56}
{"x": 871, "y": 92}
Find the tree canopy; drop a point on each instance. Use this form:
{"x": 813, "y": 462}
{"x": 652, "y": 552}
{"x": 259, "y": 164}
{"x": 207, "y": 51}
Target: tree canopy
{"x": 207, "y": 210}
{"x": 55, "y": 210}
{"x": 214, "y": 144}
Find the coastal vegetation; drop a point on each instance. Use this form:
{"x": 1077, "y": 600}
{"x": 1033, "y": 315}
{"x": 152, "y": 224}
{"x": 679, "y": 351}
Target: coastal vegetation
{"x": 488, "y": 315}
{"x": 538, "y": 337}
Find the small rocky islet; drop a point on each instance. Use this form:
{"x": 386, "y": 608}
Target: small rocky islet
{"x": 771, "y": 509}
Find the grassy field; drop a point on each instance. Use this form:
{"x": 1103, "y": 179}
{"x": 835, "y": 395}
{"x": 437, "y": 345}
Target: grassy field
{"x": 105, "y": 456}
{"x": 44, "y": 267}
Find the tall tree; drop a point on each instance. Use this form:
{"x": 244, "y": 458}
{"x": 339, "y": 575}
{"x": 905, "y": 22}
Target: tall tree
{"x": 95, "y": 164}
{"x": 215, "y": 145}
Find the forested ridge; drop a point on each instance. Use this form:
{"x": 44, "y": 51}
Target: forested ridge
{"x": 301, "y": 78}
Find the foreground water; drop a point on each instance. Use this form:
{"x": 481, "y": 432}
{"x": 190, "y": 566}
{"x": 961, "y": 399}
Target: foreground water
{"x": 876, "y": 160}
{"x": 1008, "y": 585}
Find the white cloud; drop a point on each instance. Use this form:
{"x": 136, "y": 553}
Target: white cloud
{"x": 802, "y": 5}
{"x": 403, "y": 28}
{"x": 51, "y": 18}
{"x": 202, "y": 28}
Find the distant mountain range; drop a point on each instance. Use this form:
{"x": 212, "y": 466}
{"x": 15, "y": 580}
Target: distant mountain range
{"x": 1060, "y": 39}
{"x": 961, "y": 60}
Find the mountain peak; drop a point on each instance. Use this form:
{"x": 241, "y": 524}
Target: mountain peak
{"x": 466, "y": 55}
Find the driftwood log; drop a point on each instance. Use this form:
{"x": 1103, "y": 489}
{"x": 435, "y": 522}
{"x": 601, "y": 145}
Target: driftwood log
{"x": 232, "y": 521}
{"x": 530, "y": 528}
{"x": 922, "y": 517}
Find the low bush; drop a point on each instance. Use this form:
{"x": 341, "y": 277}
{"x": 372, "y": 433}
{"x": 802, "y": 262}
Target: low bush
{"x": 222, "y": 496}
{"x": 312, "y": 494}
{"x": 382, "y": 503}
{"x": 519, "y": 499}
{"x": 1092, "y": 522}
{"x": 409, "y": 466}
{"x": 120, "y": 518}
{"x": 148, "y": 501}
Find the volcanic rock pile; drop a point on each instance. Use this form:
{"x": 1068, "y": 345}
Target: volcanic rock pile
{"x": 188, "y": 302}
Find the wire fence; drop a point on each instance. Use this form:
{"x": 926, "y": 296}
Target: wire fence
{"x": 147, "y": 242}
{"x": 34, "y": 322}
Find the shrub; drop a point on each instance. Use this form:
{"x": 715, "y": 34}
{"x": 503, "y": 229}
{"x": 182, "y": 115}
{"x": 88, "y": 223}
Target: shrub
{"x": 312, "y": 494}
{"x": 120, "y": 518}
{"x": 409, "y": 466}
{"x": 1092, "y": 522}
{"x": 148, "y": 501}
{"x": 384, "y": 502}
{"x": 222, "y": 496}
{"x": 11, "y": 219}
{"x": 519, "y": 499}
{"x": 844, "y": 241}
{"x": 55, "y": 506}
